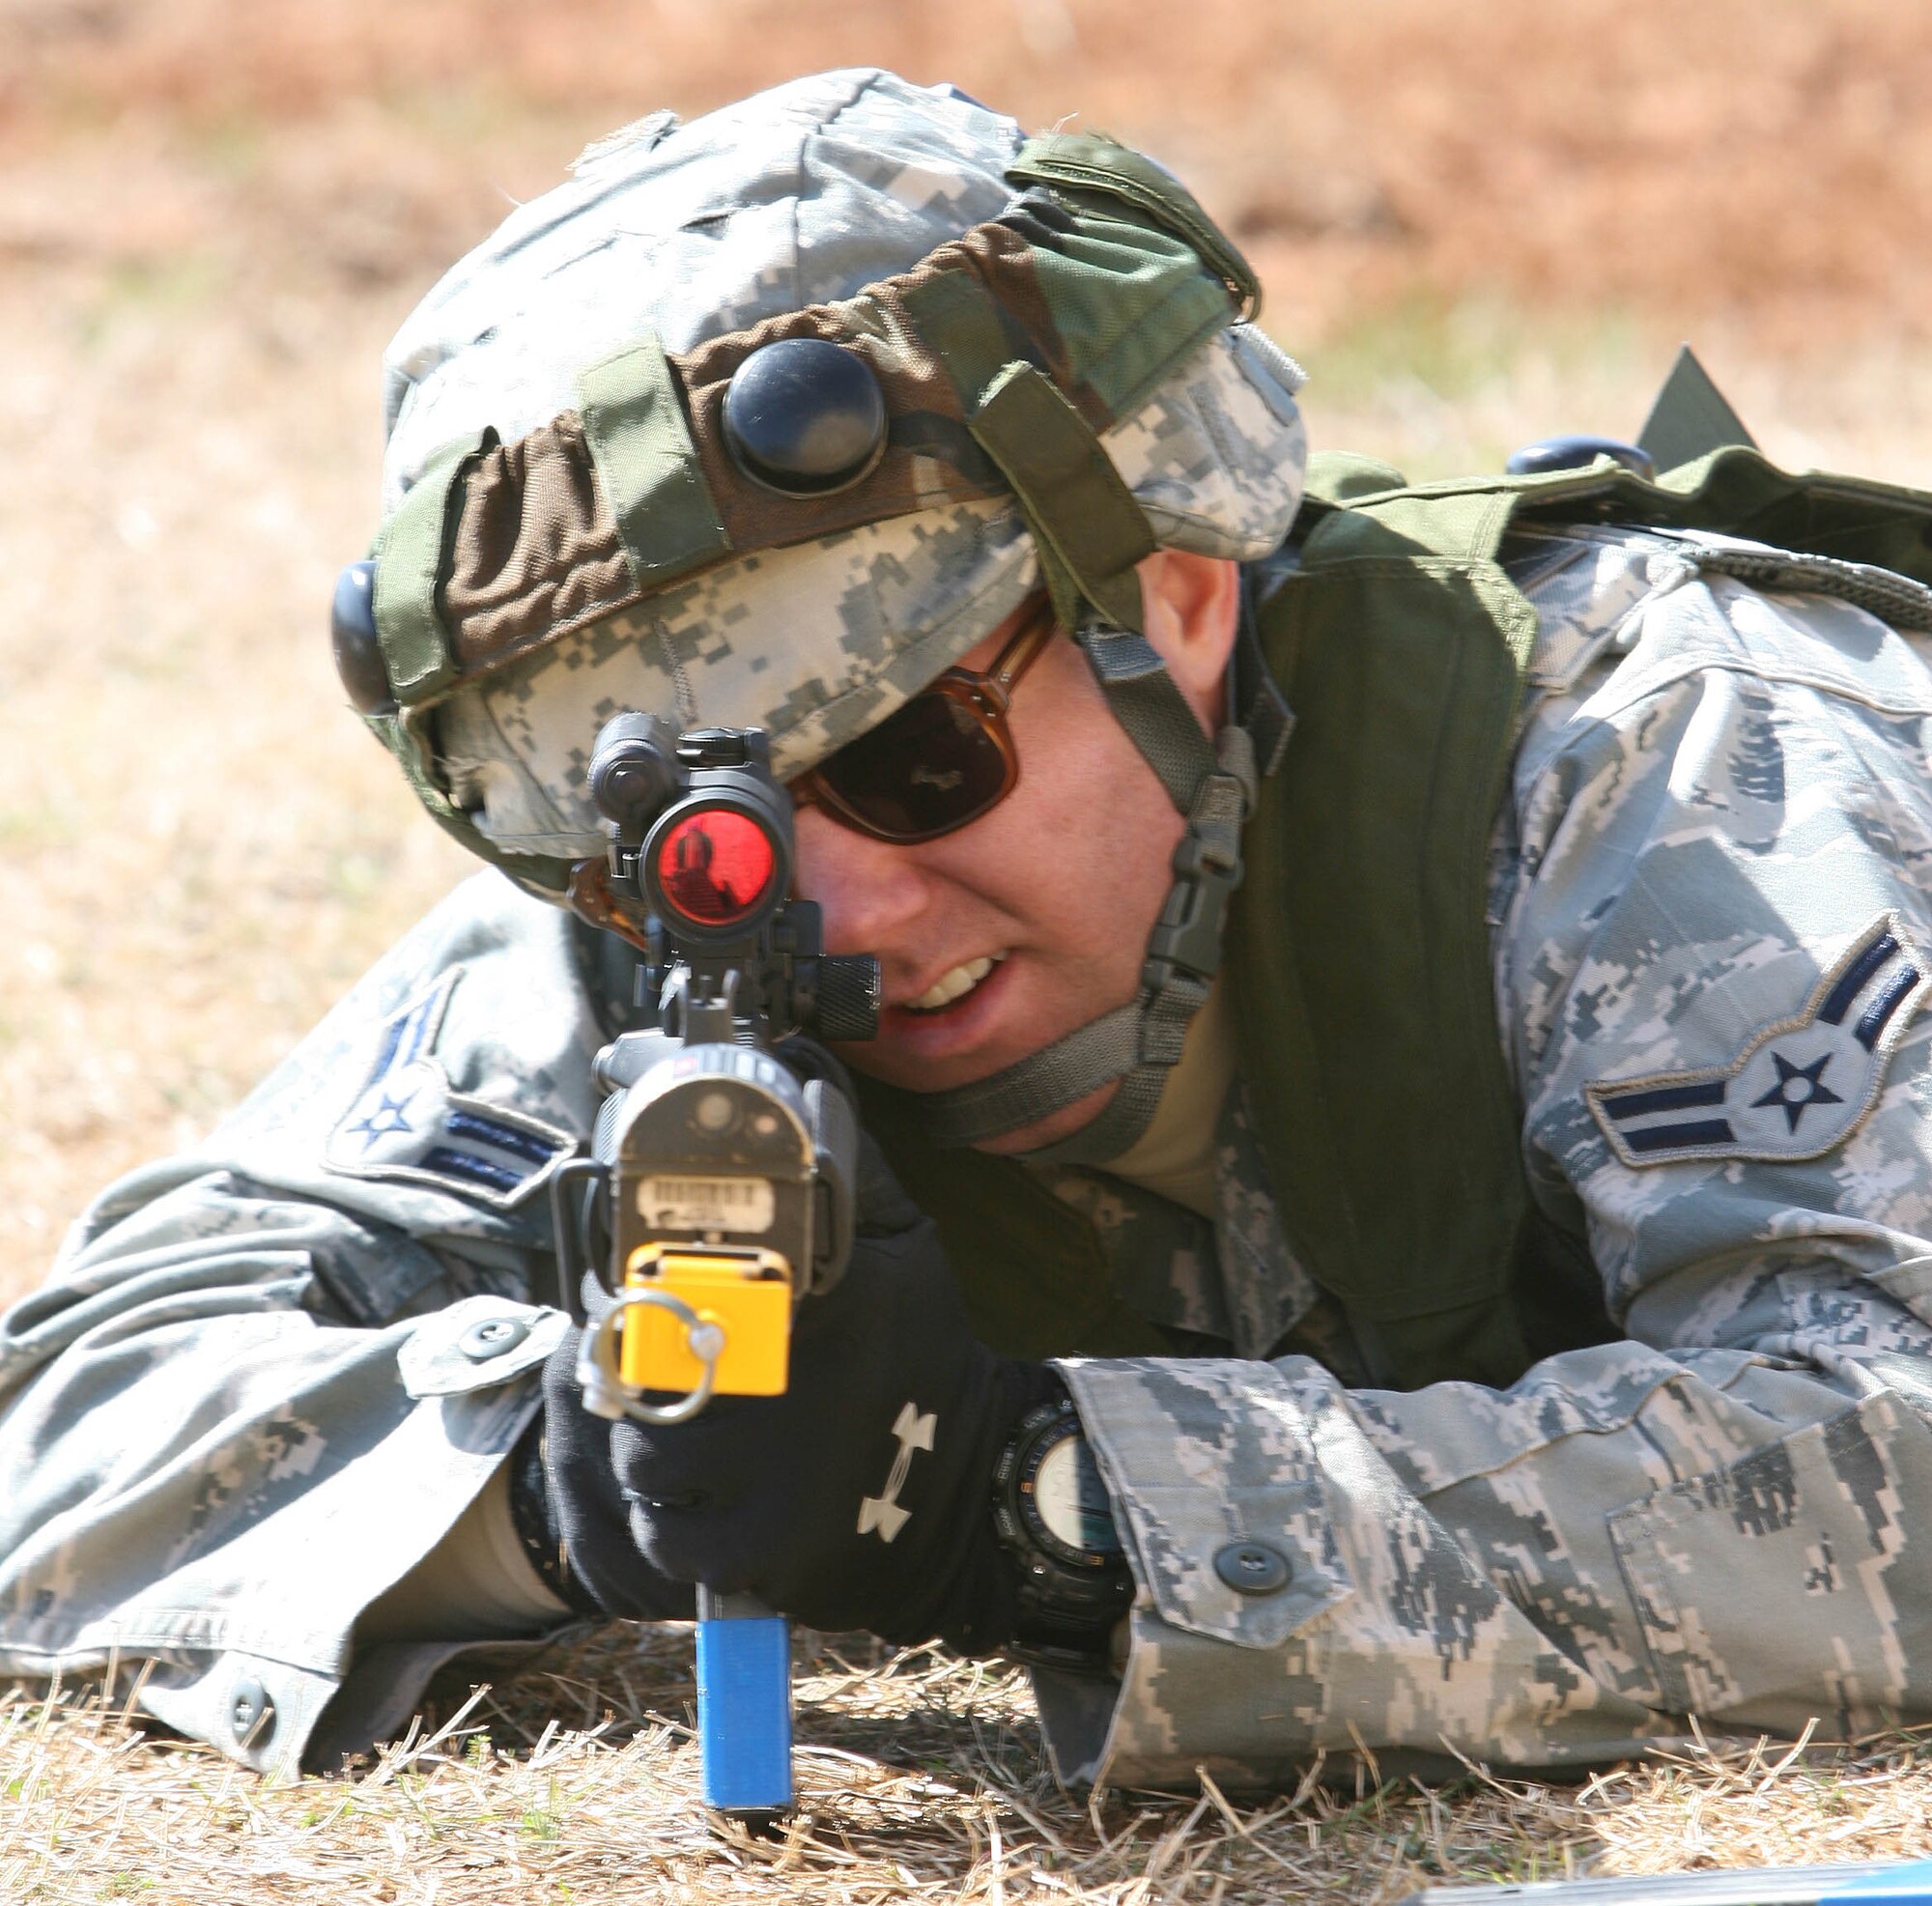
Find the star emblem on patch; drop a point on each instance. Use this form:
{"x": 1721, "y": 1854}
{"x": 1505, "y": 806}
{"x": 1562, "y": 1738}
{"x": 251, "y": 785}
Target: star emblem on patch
{"x": 389, "y": 1113}
{"x": 409, "y": 1126}
{"x": 1798, "y": 1088}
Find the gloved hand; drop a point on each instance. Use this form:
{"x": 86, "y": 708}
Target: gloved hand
{"x": 860, "y": 1498}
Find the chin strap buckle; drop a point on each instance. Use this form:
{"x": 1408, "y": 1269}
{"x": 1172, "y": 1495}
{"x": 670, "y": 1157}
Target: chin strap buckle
{"x": 1184, "y": 948}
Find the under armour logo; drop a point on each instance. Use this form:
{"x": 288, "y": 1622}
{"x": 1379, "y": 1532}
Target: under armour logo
{"x": 883, "y": 1512}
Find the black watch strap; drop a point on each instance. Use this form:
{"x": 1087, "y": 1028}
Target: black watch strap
{"x": 1054, "y": 1519}
{"x": 537, "y": 1533}
{"x": 1040, "y": 1642}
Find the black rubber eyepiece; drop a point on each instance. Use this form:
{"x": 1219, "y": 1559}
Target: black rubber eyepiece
{"x": 1579, "y": 453}
{"x": 358, "y": 654}
{"x": 634, "y": 772}
{"x": 805, "y": 417}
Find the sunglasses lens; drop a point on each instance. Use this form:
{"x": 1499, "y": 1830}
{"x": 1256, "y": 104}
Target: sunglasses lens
{"x": 923, "y": 772}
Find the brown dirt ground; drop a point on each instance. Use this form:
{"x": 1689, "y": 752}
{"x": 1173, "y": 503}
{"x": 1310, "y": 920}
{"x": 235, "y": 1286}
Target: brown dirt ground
{"x": 1477, "y": 223}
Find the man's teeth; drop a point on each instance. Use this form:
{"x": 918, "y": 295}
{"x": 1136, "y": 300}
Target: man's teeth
{"x": 956, "y": 985}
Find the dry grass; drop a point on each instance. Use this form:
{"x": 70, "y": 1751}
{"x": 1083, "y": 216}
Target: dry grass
{"x": 1478, "y": 224}
{"x": 920, "y": 1779}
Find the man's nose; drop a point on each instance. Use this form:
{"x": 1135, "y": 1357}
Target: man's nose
{"x": 870, "y": 891}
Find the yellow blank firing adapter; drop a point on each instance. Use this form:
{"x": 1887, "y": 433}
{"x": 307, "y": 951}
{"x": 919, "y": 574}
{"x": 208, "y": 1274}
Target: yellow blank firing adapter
{"x": 700, "y": 1318}
{"x": 744, "y": 1296}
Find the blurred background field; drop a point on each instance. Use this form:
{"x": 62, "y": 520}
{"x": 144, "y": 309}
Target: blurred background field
{"x": 1477, "y": 224}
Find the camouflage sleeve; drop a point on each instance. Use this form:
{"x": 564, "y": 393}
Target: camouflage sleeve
{"x": 263, "y": 1381}
{"x": 1709, "y": 928}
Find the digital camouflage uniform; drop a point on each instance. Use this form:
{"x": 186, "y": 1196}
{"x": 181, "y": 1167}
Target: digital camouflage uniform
{"x": 243, "y": 1405}
{"x": 265, "y": 1377}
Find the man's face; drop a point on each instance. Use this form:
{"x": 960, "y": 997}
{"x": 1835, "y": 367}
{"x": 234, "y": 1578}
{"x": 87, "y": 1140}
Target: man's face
{"x": 1058, "y": 886}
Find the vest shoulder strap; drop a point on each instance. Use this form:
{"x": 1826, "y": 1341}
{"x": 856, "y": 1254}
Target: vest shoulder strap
{"x": 1734, "y": 491}
{"x": 1358, "y": 950}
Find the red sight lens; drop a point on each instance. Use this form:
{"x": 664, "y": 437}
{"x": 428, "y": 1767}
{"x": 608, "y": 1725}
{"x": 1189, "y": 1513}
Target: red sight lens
{"x": 715, "y": 866}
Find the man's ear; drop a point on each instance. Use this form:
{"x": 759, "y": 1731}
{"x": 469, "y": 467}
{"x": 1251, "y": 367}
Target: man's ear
{"x": 1192, "y": 604}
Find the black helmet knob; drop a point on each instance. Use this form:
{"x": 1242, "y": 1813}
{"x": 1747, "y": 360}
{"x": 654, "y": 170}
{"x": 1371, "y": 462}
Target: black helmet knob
{"x": 358, "y": 654}
{"x": 804, "y": 415}
{"x": 1579, "y": 453}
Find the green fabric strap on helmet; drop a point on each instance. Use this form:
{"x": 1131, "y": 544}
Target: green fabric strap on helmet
{"x": 1037, "y": 442}
{"x": 959, "y": 321}
{"x": 410, "y": 561}
{"x": 1147, "y": 702}
{"x": 1079, "y": 510}
{"x": 638, "y": 487}
{"x": 634, "y": 423}
{"x": 1092, "y": 161}
{"x": 1090, "y": 533}
{"x": 1128, "y": 299}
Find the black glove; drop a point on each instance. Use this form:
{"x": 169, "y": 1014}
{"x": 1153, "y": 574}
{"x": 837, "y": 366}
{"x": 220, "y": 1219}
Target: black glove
{"x": 860, "y": 1498}
{"x": 568, "y": 1531}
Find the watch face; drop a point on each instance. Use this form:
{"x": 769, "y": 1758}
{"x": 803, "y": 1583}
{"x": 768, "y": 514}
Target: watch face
{"x": 1070, "y": 1501}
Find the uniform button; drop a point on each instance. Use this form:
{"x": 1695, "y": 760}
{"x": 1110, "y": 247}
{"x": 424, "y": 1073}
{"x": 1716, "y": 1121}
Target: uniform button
{"x": 1252, "y": 1568}
{"x": 251, "y": 1713}
{"x": 492, "y": 1337}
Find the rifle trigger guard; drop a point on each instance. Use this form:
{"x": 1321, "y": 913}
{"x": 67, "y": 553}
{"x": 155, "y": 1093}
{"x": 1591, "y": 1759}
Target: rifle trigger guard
{"x": 606, "y": 1394}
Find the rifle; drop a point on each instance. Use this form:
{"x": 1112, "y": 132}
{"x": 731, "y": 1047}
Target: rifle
{"x": 1855, "y": 1883}
{"x": 718, "y": 1192}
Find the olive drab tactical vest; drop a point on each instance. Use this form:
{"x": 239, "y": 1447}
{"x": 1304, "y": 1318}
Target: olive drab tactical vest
{"x": 1357, "y": 954}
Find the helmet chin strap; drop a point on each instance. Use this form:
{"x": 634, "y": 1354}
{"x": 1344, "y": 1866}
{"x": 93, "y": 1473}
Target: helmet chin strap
{"x": 1088, "y": 536}
{"x": 1214, "y": 786}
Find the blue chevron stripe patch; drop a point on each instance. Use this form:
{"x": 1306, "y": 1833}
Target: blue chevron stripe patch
{"x": 1798, "y": 1088}
{"x": 409, "y": 1126}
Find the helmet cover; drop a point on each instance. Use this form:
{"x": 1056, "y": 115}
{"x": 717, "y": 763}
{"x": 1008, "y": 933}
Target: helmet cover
{"x": 754, "y": 216}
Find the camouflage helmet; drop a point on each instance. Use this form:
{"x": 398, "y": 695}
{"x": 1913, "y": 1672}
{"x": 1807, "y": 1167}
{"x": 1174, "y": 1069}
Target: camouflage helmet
{"x": 1062, "y": 339}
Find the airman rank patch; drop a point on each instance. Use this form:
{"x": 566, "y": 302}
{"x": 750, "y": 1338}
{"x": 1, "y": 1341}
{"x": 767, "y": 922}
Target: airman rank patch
{"x": 408, "y": 1124}
{"x": 1799, "y": 1087}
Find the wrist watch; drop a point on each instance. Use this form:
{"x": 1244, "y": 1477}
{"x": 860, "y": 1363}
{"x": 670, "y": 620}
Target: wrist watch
{"x": 1052, "y": 1514}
